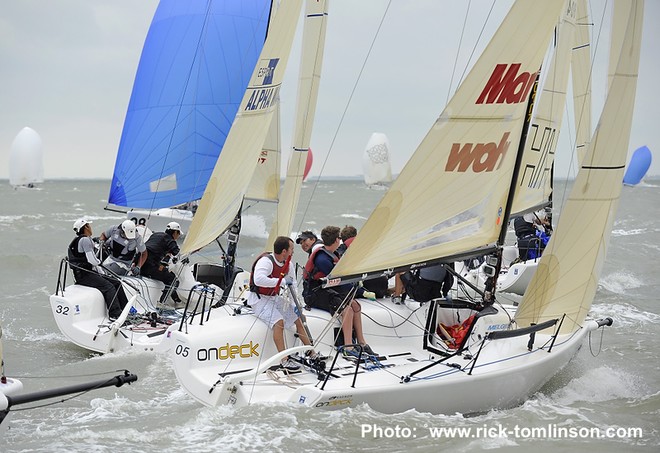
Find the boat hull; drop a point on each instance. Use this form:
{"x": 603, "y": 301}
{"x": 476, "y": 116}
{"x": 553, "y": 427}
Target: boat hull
{"x": 231, "y": 360}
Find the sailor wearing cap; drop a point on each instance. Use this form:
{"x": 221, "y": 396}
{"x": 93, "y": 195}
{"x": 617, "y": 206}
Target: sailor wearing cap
{"x": 308, "y": 241}
{"x": 124, "y": 242}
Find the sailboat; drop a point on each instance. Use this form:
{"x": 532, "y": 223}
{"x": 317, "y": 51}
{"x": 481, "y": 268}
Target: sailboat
{"x": 26, "y": 159}
{"x": 195, "y": 65}
{"x": 191, "y": 78}
{"x": 461, "y": 355}
{"x": 376, "y": 164}
{"x": 638, "y": 166}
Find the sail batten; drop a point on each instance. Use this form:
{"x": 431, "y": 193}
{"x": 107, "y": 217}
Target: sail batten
{"x": 471, "y": 149}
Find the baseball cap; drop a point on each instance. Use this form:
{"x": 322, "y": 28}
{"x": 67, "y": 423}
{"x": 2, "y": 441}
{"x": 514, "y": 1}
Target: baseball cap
{"x": 305, "y": 235}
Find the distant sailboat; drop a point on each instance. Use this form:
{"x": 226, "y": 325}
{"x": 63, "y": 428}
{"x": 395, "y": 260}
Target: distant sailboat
{"x": 638, "y": 166}
{"x": 376, "y": 161}
{"x": 26, "y": 159}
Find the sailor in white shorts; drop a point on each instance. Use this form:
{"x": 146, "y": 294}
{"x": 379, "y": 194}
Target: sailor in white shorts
{"x": 270, "y": 272}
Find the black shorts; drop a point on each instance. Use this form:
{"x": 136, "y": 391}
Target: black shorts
{"x": 325, "y": 299}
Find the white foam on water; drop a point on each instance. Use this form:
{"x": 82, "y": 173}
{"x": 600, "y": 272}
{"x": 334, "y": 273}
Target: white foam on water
{"x": 353, "y": 216}
{"x": 600, "y": 384}
{"x": 625, "y": 315}
{"x": 620, "y": 282}
{"x": 254, "y": 225}
{"x": 633, "y": 232}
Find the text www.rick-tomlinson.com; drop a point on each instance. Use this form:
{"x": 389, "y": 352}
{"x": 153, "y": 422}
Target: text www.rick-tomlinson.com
{"x": 550, "y": 431}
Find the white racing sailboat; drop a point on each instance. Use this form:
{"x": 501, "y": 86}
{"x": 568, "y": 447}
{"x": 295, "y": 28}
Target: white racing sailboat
{"x": 26, "y": 166}
{"x": 195, "y": 67}
{"x": 461, "y": 355}
{"x": 376, "y": 164}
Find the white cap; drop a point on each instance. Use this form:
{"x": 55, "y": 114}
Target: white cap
{"x": 174, "y": 226}
{"x": 129, "y": 229}
{"x": 79, "y": 224}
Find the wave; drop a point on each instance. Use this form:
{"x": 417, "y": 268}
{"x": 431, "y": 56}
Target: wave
{"x": 620, "y": 282}
{"x": 625, "y": 315}
{"x": 254, "y": 225}
{"x": 353, "y": 216}
{"x": 601, "y": 384}
{"x": 633, "y": 232}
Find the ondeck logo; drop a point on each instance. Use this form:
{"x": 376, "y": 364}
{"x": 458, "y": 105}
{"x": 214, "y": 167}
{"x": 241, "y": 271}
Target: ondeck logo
{"x": 481, "y": 156}
{"x": 506, "y": 85}
{"x": 228, "y": 352}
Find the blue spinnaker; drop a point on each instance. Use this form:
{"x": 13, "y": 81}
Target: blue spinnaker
{"x": 196, "y": 63}
{"x": 638, "y": 166}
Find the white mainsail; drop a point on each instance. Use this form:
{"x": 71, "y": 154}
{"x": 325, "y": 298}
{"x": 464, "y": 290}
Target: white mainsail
{"x": 581, "y": 75}
{"x": 473, "y": 144}
{"x": 534, "y": 186}
{"x": 576, "y": 253}
{"x": 227, "y": 186}
{"x": 315, "y": 25}
{"x": 376, "y": 164}
{"x": 26, "y": 158}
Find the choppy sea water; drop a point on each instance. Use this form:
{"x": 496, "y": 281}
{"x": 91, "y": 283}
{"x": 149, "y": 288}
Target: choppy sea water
{"x": 612, "y": 386}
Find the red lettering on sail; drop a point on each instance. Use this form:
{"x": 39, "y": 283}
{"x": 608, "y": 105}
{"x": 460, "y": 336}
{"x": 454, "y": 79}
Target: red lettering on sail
{"x": 506, "y": 85}
{"x": 482, "y": 156}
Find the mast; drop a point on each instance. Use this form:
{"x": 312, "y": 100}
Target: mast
{"x": 491, "y": 282}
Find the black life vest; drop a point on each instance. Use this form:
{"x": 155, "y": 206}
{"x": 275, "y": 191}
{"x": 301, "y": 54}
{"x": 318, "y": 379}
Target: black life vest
{"x": 523, "y": 228}
{"x": 278, "y": 271}
{"x": 78, "y": 260}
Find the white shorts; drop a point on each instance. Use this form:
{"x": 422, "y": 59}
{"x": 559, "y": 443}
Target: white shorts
{"x": 270, "y": 309}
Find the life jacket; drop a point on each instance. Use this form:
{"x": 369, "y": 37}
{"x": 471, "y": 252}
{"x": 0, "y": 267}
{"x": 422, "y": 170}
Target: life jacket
{"x": 311, "y": 272}
{"x": 78, "y": 260}
{"x": 278, "y": 271}
{"x": 344, "y": 246}
{"x": 523, "y": 228}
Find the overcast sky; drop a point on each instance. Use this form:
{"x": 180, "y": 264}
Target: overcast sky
{"x": 67, "y": 68}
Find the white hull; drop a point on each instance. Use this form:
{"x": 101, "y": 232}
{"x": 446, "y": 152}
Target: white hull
{"x": 224, "y": 362}
{"x": 81, "y": 314}
{"x": 11, "y": 387}
{"x": 513, "y": 278}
